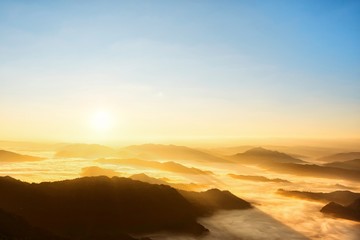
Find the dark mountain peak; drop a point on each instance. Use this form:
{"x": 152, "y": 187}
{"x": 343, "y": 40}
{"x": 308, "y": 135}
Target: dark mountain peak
{"x": 214, "y": 199}
{"x": 11, "y": 180}
{"x": 96, "y": 206}
{"x": 351, "y": 211}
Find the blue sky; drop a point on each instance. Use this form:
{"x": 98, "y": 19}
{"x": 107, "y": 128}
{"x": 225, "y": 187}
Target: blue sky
{"x": 182, "y": 68}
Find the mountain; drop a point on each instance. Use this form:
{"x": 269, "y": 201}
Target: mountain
{"x": 257, "y": 178}
{"x": 145, "y": 178}
{"x": 13, "y": 227}
{"x": 168, "y": 152}
{"x": 351, "y": 164}
{"x": 163, "y": 166}
{"x": 181, "y": 186}
{"x": 340, "y": 157}
{"x": 351, "y": 211}
{"x": 6, "y": 156}
{"x": 341, "y": 197}
{"x": 261, "y": 155}
{"x": 313, "y": 170}
{"x": 85, "y": 151}
{"x": 102, "y": 206}
{"x": 211, "y": 200}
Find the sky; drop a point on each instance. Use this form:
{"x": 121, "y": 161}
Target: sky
{"x": 101, "y": 71}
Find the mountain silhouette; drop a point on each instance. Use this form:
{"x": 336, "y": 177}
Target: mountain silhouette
{"x": 102, "y": 206}
{"x": 313, "y": 170}
{"x": 212, "y": 200}
{"x": 182, "y": 186}
{"x": 257, "y": 178}
{"x": 341, "y": 197}
{"x": 168, "y": 152}
{"x": 351, "y": 211}
{"x": 340, "y": 157}
{"x": 6, "y": 156}
{"x": 261, "y": 155}
{"x": 164, "y": 166}
{"x": 351, "y": 164}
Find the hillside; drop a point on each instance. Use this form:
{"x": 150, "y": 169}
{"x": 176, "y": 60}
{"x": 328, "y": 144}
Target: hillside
{"x": 340, "y": 157}
{"x": 312, "y": 170}
{"x": 261, "y": 155}
{"x": 94, "y": 206}
{"x": 351, "y": 211}
{"x": 6, "y": 156}
{"x": 351, "y": 164}
{"x": 341, "y": 197}
{"x": 163, "y": 166}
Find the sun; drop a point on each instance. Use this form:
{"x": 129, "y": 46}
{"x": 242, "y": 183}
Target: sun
{"x": 101, "y": 121}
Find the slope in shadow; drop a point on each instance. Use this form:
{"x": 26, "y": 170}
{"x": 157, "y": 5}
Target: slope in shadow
{"x": 351, "y": 211}
{"x": 94, "y": 206}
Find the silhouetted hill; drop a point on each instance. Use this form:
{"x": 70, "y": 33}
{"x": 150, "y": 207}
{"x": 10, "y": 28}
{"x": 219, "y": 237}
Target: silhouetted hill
{"x": 340, "y": 157}
{"x": 313, "y": 170}
{"x": 6, "y": 156}
{"x": 257, "y": 178}
{"x": 351, "y": 164}
{"x": 164, "y": 166}
{"x": 351, "y": 211}
{"x": 211, "y": 200}
{"x": 168, "y": 152}
{"x": 99, "y": 206}
{"x": 261, "y": 155}
{"x": 86, "y": 151}
{"x": 182, "y": 186}
{"x": 341, "y": 197}
{"x": 13, "y": 227}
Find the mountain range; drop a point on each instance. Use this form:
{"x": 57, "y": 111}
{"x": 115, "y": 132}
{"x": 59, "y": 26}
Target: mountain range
{"x": 340, "y": 197}
{"x": 88, "y": 207}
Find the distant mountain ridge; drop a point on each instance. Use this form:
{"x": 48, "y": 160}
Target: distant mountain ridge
{"x": 341, "y": 197}
{"x": 7, "y": 156}
{"x": 350, "y": 164}
{"x": 257, "y": 178}
{"x": 164, "y": 166}
{"x": 340, "y": 157}
{"x": 312, "y": 170}
{"x": 261, "y": 155}
{"x": 170, "y": 152}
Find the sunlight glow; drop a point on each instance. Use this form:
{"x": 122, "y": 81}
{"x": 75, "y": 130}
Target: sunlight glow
{"x": 101, "y": 121}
